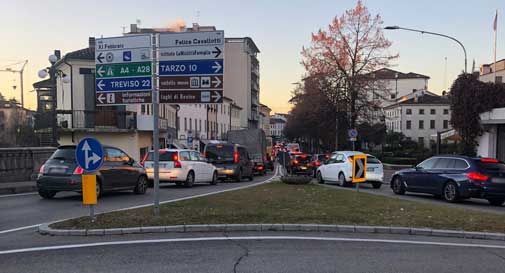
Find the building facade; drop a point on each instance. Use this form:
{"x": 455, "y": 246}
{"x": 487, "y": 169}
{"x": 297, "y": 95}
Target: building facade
{"x": 242, "y": 78}
{"x": 265, "y": 119}
{"x": 487, "y": 72}
{"x": 277, "y": 124}
{"x": 419, "y": 118}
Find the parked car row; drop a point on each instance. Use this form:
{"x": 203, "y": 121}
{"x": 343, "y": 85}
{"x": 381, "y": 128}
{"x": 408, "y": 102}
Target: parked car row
{"x": 120, "y": 172}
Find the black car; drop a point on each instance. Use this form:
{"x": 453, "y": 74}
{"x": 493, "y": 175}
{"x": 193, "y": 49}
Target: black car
{"x": 301, "y": 164}
{"x": 454, "y": 178}
{"x": 118, "y": 172}
{"x": 231, "y": 160}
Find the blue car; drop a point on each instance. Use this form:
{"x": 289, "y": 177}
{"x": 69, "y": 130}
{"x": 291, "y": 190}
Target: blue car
{"x": 454, "y": 178}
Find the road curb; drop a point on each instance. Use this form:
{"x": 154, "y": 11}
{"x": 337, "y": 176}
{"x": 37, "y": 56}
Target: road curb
{"x": 44, "y": 229}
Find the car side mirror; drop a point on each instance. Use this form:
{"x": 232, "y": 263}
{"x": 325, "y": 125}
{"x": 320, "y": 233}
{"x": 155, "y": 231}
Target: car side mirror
{"x": 130, "y": 161}
{"x": 418, "y": 168}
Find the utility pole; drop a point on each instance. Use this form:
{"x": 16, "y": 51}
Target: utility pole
{"x": 21, "y": 79}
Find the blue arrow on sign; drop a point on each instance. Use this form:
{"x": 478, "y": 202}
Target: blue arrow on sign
{"x": 89, "y": 154}
{"x": 124, "y": 84}
{"x": 191, "y": 67}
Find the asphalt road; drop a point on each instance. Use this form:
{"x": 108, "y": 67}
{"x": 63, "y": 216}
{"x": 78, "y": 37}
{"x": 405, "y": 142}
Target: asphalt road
{"x": 21, "y": 211}
{"x": 276, "y": 252}
{"x": 385, "y": 190}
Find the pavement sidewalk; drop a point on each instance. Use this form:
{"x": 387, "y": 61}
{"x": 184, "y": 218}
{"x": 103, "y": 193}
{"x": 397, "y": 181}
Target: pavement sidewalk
{"x": 18, "y": 187}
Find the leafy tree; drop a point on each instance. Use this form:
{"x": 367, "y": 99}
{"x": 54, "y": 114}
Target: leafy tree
{"x": 344, "y": 55}
{"x": 469, "y": 98}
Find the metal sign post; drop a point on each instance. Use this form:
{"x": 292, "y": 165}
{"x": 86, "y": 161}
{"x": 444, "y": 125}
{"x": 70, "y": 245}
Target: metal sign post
{"x": 89, "y": 156}
{"x": 156, "y": 130}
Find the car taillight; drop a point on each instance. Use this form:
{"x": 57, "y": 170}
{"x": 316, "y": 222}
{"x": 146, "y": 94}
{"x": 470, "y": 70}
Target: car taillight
{"x": 235, "y": 157}
{"x": 177, "y": 163}
{"x": 475, "y": 176}
{"x": 41, "y": 170}
{"x": 78, "y": 170}
{"x": 295, "y": 162}
{"x": 488, "y": 160}
{"x": 317, "y": 163}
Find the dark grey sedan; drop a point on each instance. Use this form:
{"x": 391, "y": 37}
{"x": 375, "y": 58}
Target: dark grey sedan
{"x": 118, "y": 172}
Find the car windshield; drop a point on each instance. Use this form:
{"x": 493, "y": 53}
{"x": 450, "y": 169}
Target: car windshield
{"x": 164, "y": 156}
{"x": 372, "y": 160}
{"x": 219, "y": 152}
{"x": 67, "y": 153}
{"x": 491, "y": 167}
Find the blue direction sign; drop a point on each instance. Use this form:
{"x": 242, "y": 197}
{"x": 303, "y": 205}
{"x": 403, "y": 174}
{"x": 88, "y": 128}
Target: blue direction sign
{"x": 191, "y": 67}
{"x": 123, "y": 84}
{"x": 89, "y": 154}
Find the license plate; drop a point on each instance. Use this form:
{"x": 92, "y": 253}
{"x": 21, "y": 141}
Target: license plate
{"x": 169, "y": 165}
{"x": 370, "y": 169}
{"x": 57, "y": 170}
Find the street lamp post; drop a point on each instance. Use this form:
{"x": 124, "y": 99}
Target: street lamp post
{"x": 177, "y": 108}
{"x": 432, "y": 33}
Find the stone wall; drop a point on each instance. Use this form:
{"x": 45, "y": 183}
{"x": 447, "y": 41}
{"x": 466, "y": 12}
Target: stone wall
{"x": 22, "y": 164}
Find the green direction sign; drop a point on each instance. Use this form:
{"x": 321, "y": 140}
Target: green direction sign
{"x": 123, "y": 70}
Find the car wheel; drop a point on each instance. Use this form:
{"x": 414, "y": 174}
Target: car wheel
{"x": 47, "y": 194}
{"x": 341, "y": 180}
{"x": 238, "y": 177}
{"x": 496, "y": 201}
{"x": 376, "y": 185}
{"x": 451, "y": 193}
{"x": 98, "y": 189}
{"x": 190, "y": 180}
{"x": 214, "y": 179}
{"x": 319, "y": 178}
{"x": 398, "y": 187}
{"x": 141, "y": 186}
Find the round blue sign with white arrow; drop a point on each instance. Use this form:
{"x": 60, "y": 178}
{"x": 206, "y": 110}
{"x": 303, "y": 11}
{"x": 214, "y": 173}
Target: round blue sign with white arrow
{"x": 89, "y": 154}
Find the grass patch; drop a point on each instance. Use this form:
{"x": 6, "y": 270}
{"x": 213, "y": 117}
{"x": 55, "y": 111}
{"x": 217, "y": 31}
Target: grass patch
{"x": 281, "y": 203}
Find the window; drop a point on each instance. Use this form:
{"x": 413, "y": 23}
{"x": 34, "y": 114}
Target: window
{"x": 433, "y": 111}
{"x": 115, "y": 155}
{"x": 460, "y": 164}
{"x": 420, "y": 140}
{"x": 184, "y": 156}
{"x": 185, "y": 124}
{"x": 409, "y": 111}
{"x": 444, "y": 163}
{"x": 428, "y": 164}
{"x": 432, "y": 124}
{"x": 200, "y": 125}
{"x": 196, "y": 124}
{"x": 446, "y": 124}
{"x": 421, "y": 124}
{"x": 393, "y": 96}
{"x": 499, "y": 79}
{"x": 446, "y": 111}
{"x": 190, "y": 124}
{"x": 142, "y": 108}
{"x": 408, "y": 125}
{"x": 194, "y": 156}
{"x": 421, "y": 111}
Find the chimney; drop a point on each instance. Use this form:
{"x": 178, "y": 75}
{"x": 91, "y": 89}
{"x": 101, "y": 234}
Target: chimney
{"x": 91, "y": 42}
{"x": 133, "y": 28}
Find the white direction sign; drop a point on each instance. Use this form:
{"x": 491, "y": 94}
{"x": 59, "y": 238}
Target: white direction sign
{"x": 192, "y": 39}
{"x": 191, "y": 53}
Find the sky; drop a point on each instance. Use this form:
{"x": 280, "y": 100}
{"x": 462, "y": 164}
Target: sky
{"x": 31, "y": 30}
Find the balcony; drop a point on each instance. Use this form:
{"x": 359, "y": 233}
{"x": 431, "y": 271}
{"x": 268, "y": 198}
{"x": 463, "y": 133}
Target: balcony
{"x": 145, "y": 123}
{"x": 88, "y": 120}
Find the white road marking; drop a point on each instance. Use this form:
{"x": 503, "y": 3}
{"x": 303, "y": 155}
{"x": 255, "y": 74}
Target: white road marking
{"x": 150, "y": 204}
{"x": 18, "y": 194}
{"x": 244, "y": 238}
